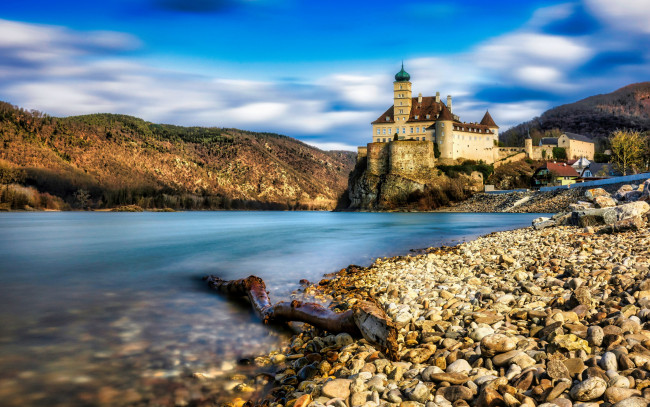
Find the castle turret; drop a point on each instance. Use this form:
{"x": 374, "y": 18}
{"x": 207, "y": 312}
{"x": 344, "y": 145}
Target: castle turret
{"x": 402, "y": 97}
{"x": 488, "y": 121}
{"x": 528, "y": 146}
{"x": 444, "y": 135}
{"x": 449, "y": 104}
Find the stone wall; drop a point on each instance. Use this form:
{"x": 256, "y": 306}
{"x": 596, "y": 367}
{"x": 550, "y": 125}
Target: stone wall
{"x": 362, "y": 152}
{"x": 377, "y": 154}
{"x": 410, "y": 156}
{"x": 516, "y": 157}
{"x": 538, "y": 152}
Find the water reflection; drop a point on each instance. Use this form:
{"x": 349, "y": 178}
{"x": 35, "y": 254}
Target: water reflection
{"x": 107, "y": 308}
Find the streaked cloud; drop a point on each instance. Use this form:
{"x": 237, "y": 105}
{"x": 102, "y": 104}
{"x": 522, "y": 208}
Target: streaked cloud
{"x": 563, "y": 53}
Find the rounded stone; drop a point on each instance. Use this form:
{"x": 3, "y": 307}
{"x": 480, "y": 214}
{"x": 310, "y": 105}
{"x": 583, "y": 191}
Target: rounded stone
{"x": 459, "y": 366}
{"x": 608, "y": 361}
{"x": 589, "y": 389}
{"x": 497, "y": 343}
{"x": 595, "y": 335}
{"x": 632, "y": 402}
{"x": 343, "y": 340}
{"x": 337, "y": 388}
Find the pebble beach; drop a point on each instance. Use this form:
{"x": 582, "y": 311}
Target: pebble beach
{"x": 551, "y": 317}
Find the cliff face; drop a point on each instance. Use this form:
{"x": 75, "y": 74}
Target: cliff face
{"x": 426, "y": 189}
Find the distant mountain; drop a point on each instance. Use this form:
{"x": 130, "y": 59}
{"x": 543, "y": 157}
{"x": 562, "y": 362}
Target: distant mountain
{"x": 123, "y": 160}
{"x": 595, "y": 117}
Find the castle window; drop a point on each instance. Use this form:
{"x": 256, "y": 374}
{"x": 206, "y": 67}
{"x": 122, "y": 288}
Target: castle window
{"x": 378, "y": 131}
{"x": 387, "y": 118}
{"x": 428, "y": 116}
{"x": 442, "y": 125}
{"x": 400, "y": 86}
{"x": 411, "y": 130}
{"x": 417, "y": 129}
{"x": 384, "y": 130}
{"x": 403, "y": 130}
{"x": 416, "y": 117}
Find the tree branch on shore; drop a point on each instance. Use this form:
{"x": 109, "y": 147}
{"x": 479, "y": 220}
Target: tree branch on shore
{"x": 366, "y": 318}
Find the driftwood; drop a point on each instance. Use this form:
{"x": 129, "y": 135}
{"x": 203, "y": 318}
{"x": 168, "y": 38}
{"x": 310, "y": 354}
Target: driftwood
{"x": 366, "y": 318}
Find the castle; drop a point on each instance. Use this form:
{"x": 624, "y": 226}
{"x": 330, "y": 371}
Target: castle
{"x": 417, "y": 132}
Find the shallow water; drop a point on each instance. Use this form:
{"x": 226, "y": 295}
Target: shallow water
{"x": 108, "y": 308}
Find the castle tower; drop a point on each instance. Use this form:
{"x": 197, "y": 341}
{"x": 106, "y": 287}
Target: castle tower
{"x": 445, "y": 136}
{"x": 488, "y": 121}
{"x": 528, "y": 146}
{"x": 402, "y": 97}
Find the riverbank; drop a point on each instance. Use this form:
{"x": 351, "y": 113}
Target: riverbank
{"x": 521, "y": 317}
{"x": 526, "y": 202}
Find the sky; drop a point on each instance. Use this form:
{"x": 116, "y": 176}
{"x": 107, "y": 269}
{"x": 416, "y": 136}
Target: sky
{"x": 319, "y": 71}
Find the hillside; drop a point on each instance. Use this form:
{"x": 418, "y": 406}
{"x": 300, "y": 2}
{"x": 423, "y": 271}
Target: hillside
{"x": 596, "y": 116}
{"x": 123, "y": 160}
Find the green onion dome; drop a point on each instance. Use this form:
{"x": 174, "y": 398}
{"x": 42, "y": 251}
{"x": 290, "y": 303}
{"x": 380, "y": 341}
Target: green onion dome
{"x": 402, "y": 76}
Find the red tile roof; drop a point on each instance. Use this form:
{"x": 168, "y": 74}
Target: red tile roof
{"x": 487, "y": 120}
{"x": 561, "y": 169}
{"x": 429, "y": 106}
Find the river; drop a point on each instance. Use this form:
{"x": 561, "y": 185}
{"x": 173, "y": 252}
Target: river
{"x": 100, "y": 308}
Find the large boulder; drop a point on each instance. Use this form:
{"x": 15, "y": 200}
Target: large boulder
{"x": 624, "y": 189}
{"x": 604, "y": 202}
{"x": 621, "y": 212}
{"x": 590, "y": 194}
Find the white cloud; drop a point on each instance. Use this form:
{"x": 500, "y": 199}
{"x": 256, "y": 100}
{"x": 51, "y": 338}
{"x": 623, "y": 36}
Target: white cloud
{"x": 327, "y": 145}
{"x": 627, "y": 15}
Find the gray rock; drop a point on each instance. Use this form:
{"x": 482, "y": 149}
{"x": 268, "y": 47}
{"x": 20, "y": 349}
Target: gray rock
{"x": 419, "y": 393}
{"x": 595, "y": 335}
{"x": 629, "y": 210}
{"x": 459, "y": 366}
{"x": 632, "y": 402}
{"x": 589, "y": 389}
{"x": 608, "y": 361}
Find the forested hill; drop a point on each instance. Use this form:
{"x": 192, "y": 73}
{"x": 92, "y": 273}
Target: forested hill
{"x": 116, "y": 160}
{"x": 596, "y": 116}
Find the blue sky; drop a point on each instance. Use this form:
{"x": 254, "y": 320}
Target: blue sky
{"x": 319, "y": 71}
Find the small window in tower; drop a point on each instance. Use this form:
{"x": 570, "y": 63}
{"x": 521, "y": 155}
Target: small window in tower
{"x": 442, "y": 125}
{"x": 400, "y": 86}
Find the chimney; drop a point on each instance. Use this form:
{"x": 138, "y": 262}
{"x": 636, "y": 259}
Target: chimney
{"x": 449, "y": 103}
{"x": 419, "y": 98}
{"x": 437, "y": 97}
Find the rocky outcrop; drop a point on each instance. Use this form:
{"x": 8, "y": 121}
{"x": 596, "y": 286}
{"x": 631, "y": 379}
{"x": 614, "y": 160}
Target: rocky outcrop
{"x": 604, "y": 210}
{"x": 397, "y": 190}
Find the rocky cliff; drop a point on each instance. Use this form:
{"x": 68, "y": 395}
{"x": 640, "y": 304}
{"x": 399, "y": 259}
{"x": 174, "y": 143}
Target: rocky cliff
{"x": 406, "y": 190}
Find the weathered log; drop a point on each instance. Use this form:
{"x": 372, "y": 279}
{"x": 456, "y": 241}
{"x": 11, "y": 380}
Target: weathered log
{"x": 366, "y": 318}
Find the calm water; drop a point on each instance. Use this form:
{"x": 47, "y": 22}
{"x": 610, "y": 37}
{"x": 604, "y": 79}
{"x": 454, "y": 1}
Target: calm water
{"x": 108, "y": 308}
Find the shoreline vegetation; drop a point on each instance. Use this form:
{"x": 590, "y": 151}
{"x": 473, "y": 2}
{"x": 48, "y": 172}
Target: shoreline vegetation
{"x": 554, "y": 316}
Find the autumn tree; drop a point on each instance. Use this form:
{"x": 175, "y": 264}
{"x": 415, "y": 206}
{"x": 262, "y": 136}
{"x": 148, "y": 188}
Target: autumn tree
{"x": 627, "y": 149}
